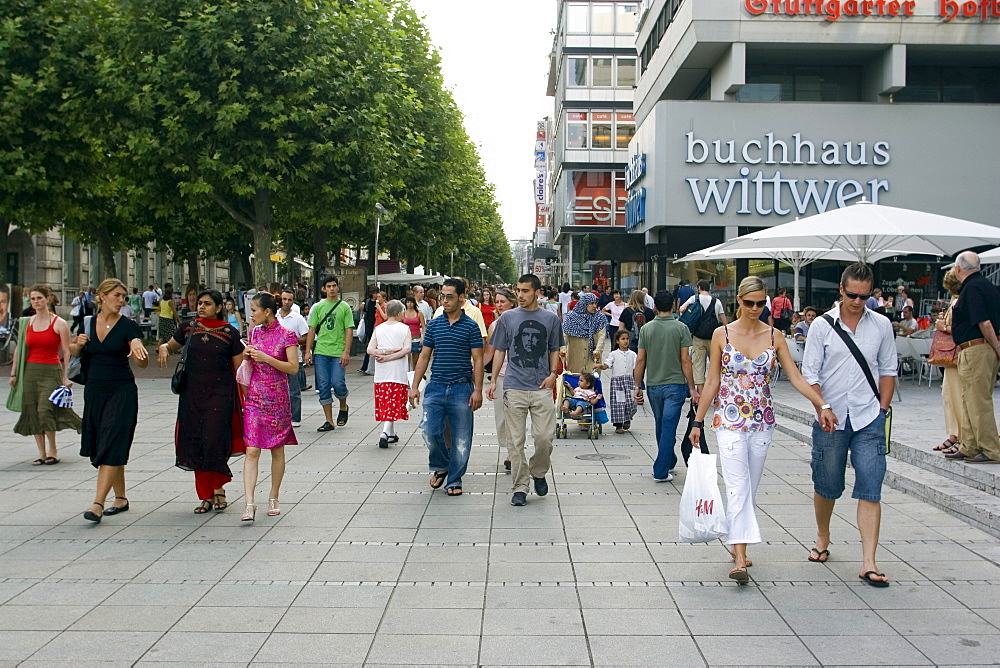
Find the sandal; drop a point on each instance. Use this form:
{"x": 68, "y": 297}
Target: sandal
{"x": 203, "y": 507}
{"x": 950, "y": 451}
{"x": 438, "y": 478}
{"x": 821, "y": 556}
{"x": 220, "y": 502}
{"x": 51, "y": 460}
{"x": 38, "y": 462}
{"x": 114, "y": 510}
{"x": 272, "y": 507}
{"x": 867, "y": 577}
{"x": 454, "y": 491}
{"x": 948, "y": 444}
{"x": 740, "y": 575}
{"x": 93, "y": 517}
{"x": 341, "y": 418}
{"x": 251, "y": 511}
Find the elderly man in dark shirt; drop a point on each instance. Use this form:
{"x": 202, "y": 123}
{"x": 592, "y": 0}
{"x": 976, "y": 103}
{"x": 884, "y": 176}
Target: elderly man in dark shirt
{"x": 975, "y": 323}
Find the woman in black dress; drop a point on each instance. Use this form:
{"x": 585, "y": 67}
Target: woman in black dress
{"x": 209, "y": 414}
{"x": 111, "y": 407}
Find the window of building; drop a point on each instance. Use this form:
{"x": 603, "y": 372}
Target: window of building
{"x": 577, "y": 129}
{"x": 924, "y": 83}
{"x": 595, "y": 198}
{"x": 576, "y": 71}
{"x": 600, "y": 129}
{"x": 603, "y": 71}
{"x": 602, "y": 18}
{"x": 578, "y": 18}
{"x": 627, "y": 15}
{"x": 626, "y": 72}
{"x": 624, "y": 129}
{"x": 783, "y": 83}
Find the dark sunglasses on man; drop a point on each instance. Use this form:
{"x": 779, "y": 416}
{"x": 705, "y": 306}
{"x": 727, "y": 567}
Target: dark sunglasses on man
{"x": 856, "y": 295}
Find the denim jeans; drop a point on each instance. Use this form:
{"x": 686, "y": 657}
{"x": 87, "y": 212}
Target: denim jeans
{"x": 329, "y": 373}
{"x": 666, "y": 402}
{"x": 295, "y": 393}
{"x": 449, "y": 402}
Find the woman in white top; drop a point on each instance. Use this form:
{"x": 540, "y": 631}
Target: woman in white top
{"x": 504, "y": 301}
{"x": 614, "y": 311}
{"x": 389, "y": 346}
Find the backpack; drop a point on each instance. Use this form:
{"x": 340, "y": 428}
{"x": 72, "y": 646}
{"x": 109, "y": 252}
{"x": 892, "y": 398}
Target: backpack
{"x": 708, "y": 322}
{"x": 692, "y": 316}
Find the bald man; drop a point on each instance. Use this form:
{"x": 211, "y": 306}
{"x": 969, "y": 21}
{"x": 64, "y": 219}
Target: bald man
{"x": 975, "y": 324}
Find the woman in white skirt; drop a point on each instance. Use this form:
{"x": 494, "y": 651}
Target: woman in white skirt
{"x": 743, "y": 356}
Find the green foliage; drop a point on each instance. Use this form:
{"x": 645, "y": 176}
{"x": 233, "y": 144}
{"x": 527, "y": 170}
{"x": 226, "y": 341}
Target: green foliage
{"x": 207, "y": 125}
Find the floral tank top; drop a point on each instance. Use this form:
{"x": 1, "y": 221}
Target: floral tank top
{"x": 744, "y": 401}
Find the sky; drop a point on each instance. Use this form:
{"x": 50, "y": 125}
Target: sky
{"x": 494, "y": 57}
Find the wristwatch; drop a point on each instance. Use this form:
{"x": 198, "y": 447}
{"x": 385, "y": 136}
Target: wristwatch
{"x": 698, "y": 423}
{"x": 824, "y": 407}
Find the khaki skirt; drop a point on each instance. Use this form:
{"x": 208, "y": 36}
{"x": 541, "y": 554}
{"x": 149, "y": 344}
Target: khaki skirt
{"x": 38, "y": 414}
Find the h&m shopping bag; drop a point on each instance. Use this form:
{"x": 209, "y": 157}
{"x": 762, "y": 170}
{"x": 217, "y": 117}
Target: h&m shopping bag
{"x": 703, "y": 518}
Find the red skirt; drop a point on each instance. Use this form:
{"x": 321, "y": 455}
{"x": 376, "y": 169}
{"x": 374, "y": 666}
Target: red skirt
{"x": 390, "y": 402}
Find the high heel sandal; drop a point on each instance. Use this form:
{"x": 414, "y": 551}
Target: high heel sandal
{"x": 272, "y": 507}
{"x": 248, "y": 516}
{"x": 114, "y": 510}
{"x": 91, "y": 517}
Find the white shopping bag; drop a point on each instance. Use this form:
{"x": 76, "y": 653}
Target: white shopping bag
{"x": 409, "y": 381}
{"x": 703, "y": 518}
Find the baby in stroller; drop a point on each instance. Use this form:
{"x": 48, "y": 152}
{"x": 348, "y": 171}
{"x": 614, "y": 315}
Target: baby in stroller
{"x": 583, "y": 396}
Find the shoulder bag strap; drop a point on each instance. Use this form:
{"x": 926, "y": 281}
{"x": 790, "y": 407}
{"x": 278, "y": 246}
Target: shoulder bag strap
{"x": 328, "y": 314}
{"x": 856, "y": 352}
{"x": 187, "y": 342}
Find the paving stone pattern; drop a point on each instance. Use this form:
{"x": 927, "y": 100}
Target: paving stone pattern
{"x": 367, "y": 566}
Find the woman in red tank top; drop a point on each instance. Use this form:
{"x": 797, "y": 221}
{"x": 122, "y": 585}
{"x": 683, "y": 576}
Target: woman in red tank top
{"x": 46, "y": 339}
{"x": 488, "y": 306}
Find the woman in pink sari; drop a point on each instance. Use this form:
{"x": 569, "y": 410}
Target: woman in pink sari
{"x": 267, "y": 412}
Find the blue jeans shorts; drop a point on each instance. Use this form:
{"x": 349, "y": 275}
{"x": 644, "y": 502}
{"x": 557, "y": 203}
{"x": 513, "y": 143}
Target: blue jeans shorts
{"x": 575, "y": 403}
{"x": 867, "y": 450}
{"x": 415, "y": 347}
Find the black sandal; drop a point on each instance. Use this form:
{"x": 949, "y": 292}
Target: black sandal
{"x": 38, "y": 462}
{"x": 51, "y": 460}
{"x": 341, "y": 418}
{"x": 438, "y": 478}
{"x": 91, "y": 517}
{"x": 114, "y": 510}
{"x": 220, "y": 505}
{"x": 454, "y": 491}
{"x": 203, "y": 507}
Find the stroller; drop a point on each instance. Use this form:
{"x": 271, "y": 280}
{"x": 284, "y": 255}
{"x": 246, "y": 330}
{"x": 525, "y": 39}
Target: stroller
{"x": 593, "y": 417}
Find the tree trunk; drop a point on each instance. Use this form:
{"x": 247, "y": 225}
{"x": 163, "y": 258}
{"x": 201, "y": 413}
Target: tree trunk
{"x": 194, "y": 269}
{"x": 245, "y": 267}
{"x": 107, "y": 254}
{"x": 4, "y": 231}
{"x": 321, "y": 257}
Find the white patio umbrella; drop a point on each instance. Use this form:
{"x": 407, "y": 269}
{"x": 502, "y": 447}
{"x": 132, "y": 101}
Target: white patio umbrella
{"x": 796, "y": 258}
{"x": 990, "y": 257}
{"x": 865, "y": 230}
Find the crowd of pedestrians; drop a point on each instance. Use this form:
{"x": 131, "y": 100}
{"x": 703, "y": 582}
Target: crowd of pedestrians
{"x": 443, "y": 352}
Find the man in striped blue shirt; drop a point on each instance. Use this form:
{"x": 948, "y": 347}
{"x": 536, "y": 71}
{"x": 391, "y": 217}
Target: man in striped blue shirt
{"x": 455, "y": 389}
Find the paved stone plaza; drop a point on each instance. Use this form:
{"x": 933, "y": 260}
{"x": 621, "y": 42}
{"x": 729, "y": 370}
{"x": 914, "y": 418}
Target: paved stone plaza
{"x": 366, "y": 565}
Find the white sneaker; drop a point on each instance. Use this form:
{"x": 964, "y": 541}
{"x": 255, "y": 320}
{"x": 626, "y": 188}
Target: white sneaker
{"x": 670, "y": 476}
{"x": 296, "y": 424}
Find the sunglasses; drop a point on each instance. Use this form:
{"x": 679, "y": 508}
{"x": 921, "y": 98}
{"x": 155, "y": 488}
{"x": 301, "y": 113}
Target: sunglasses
{"x": 855, "y": 295}
{"x": 750, "y": 304}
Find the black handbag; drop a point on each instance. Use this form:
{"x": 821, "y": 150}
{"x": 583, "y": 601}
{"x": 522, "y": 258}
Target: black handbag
{"x": 177, "y": 380}
{"x": 79, "y": 365}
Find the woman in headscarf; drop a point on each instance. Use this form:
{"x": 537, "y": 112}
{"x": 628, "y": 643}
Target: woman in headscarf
{"x": 584, "y": 330}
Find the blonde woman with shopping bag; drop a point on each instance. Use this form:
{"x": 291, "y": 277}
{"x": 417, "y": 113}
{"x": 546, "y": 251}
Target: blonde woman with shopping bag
{"x": 743, "y": 356}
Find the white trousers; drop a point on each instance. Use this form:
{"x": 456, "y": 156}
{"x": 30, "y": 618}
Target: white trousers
{"x": 742, "y": 454}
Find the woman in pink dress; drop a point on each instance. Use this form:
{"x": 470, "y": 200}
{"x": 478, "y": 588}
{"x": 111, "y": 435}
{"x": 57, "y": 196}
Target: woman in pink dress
{"x": 273, "y": 353}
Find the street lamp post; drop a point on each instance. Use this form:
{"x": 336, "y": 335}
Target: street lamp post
{"x": 427, "y": 264}
{"x": 482, "y": 272}
{"x": 381, "y": 211}
{"x": 453, "y": 251}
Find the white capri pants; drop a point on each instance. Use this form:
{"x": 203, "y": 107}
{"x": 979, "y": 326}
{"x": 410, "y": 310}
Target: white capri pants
{"x": 499, "y": 415}
{"x": 742, "y": 454}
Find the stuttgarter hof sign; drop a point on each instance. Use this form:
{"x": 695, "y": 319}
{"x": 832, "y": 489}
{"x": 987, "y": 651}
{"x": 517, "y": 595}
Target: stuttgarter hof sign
{"x": 769, "y": 191}
{"x": 833, "y": 10}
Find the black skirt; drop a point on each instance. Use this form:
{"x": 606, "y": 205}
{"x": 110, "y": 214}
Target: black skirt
{"x": 109, "y": 419}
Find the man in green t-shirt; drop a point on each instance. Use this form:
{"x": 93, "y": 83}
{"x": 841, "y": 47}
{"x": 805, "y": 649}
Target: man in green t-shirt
{"x": 331, "y": 327}
{"x": 664, "y": 345}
